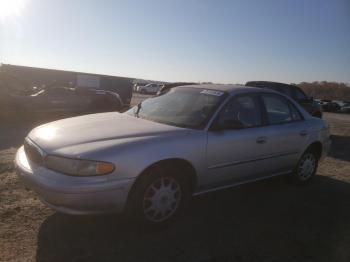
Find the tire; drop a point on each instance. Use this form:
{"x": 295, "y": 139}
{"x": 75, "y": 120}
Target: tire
{"x": 159, "y": 197}
{"x": 306, "y": 168}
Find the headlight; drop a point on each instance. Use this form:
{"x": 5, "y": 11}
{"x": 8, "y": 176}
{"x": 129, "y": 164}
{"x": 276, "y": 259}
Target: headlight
{"x": 77, "y": 167}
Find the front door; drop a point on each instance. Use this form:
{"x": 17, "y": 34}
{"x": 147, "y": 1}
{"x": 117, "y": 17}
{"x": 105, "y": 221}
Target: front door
{"x": 233, "y": 153}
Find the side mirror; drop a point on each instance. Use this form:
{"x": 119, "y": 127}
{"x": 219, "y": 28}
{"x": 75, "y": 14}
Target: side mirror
{"x": 228, "y": 124}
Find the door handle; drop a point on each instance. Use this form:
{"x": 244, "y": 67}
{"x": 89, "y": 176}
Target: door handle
{"x": 261, "y": 140}
{"x": 303, "y": 133}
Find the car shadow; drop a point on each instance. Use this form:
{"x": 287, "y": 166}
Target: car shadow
{"x": 265, "y": 221}
{"x": 340, "y": 147}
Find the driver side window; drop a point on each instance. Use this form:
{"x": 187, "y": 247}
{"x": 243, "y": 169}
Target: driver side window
{"x": 243, "y": 110}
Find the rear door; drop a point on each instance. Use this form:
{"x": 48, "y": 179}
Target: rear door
{"x": 286, "y": 132}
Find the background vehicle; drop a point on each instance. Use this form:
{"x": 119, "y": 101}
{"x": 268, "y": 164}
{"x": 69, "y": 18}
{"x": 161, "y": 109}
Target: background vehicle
{"x": 292, "y": 91}
{"x": 345, "y": 108}
{"x": 62, "y": 99}
{"x": 137, "y": 86}
{"x": 166, "y": 87}
{"x": 21, "y": 80}
{"x": 150, "y": 88}
{"x": 330, "y": 106}
{"x": 150, "y": 160}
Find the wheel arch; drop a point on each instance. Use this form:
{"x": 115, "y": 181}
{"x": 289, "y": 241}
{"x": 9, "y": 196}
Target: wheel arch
{"x": 316, "y": 147}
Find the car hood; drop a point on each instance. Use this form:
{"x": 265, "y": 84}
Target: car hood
{"x": 95, "y": 128}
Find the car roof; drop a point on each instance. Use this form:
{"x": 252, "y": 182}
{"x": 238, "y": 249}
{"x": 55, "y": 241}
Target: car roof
{"x": 230, "y": 88}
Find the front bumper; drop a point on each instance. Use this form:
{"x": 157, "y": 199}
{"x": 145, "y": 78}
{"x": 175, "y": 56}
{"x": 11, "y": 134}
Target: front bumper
{"x": 73, "y": 195}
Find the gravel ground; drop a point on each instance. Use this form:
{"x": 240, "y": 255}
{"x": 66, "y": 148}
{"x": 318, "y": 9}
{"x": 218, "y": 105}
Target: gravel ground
{"x": 270, "y": 220}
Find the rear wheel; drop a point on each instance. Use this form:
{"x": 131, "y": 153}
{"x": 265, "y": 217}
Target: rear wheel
{"x": 159, "y": 197}
{"x": 306, "y": 168}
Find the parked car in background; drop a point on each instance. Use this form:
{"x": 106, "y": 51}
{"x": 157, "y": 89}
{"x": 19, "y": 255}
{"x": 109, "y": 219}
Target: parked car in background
{"x": 137, "y": 86}
{"x": 150, "y": 160}
{"x": 150, "y": 88}
{"x": 166, "y": 87}
{"x": 330, "y": 106}
{"x": 318, "y": 101}
{"x": 345, "y": 107}
{"x": 63, "y": 99}
{"x": 323, "y": 102}
{"x": 292, "y": 91}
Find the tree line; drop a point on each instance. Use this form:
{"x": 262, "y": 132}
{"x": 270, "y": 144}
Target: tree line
{"x": 326, "y": 90}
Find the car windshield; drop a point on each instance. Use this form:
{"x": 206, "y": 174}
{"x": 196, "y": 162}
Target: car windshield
{"x": 183, "y": 107}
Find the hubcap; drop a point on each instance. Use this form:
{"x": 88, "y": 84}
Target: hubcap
{"x": 161, "y": 199}
{"x": 306, "y": 166}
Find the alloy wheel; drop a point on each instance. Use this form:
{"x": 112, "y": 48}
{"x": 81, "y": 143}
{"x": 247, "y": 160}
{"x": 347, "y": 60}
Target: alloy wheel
{"x": 161, "y": 199}
{"x": 306, "y": 166}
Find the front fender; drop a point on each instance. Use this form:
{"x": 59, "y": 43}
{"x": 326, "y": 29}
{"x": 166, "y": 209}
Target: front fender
{"x": 134, "y": 156}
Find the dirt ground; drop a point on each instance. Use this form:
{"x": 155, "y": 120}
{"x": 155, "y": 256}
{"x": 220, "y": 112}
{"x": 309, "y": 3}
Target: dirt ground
{"x": 265, "y": 221}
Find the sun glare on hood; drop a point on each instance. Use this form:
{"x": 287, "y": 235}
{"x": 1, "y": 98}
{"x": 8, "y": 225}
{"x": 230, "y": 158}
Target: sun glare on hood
{"x": 46, "y": 133}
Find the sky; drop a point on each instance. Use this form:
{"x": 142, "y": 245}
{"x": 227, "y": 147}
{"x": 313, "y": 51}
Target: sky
{"x": 182, "y": 40}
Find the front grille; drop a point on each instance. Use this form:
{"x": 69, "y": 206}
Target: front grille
{"x": 33, "y": 152}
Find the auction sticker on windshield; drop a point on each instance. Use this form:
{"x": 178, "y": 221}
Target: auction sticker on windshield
{"x": 212, "y": 92}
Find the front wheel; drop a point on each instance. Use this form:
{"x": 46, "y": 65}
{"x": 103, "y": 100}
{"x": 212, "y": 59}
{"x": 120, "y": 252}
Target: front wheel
{"x": 159, "y": 197}
{"x": 306, "y": 168}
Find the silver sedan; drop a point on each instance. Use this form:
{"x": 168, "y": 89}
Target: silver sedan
{"x": 150, "y": 160}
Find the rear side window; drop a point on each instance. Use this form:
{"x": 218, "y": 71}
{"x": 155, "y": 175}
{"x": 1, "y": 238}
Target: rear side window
{"x": 277, "y": 109}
